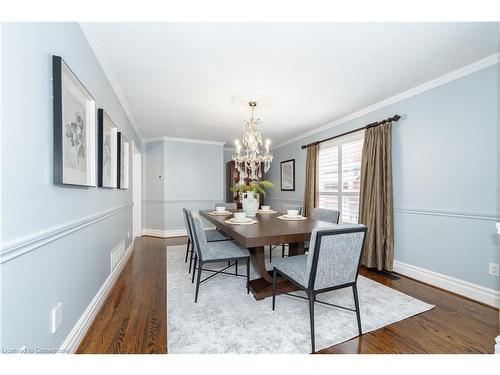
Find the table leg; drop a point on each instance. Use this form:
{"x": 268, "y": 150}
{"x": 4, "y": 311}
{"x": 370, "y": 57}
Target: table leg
{"x": 296, "y": 248}
{"x": 258, "y": 259}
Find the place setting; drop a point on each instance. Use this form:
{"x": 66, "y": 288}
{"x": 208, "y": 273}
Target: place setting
{"x": 240, "y": 218}
{"x": 266, "y": 210}
{"x": 220, "y": 211}
{"x": 292, "y": 215}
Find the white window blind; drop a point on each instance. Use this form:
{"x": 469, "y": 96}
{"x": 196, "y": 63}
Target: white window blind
{"x": 339, "y": 175}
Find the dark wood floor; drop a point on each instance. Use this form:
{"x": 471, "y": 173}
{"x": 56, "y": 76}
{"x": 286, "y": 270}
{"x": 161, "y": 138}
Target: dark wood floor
{"x": 134, "y": 316}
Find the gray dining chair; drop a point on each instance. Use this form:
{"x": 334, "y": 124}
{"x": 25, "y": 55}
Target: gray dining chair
{"x": 227, "y": 205}
{"x": 212, "y": 235}
{"x": 332, "y": 263}
{"x": 213, "y": 252}
{"x": 286, "y": 207}
{"x": 324, "y": 214}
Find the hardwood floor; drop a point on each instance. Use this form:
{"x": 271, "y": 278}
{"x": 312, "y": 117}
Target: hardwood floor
{"x": 134, "y": 316}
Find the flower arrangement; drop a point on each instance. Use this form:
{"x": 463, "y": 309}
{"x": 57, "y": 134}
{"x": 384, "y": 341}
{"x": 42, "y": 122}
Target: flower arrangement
{"x": 257, "y": 187}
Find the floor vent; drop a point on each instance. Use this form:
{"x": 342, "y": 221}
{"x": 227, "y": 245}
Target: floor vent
{"x": 117, "y": 254}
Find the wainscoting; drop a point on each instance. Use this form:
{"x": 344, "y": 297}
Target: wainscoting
{"x": 69, "y": 264}
{"x": 164, "y": 217}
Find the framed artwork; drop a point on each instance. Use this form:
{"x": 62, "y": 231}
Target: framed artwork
{"x": 123, "y": 161}
{"x": 74, "y": 128}
{"x": 288, "y": 175}
{"x": 107, "y": 150}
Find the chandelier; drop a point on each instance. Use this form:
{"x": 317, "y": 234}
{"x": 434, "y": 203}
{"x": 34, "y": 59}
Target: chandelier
{"x": 250, "y": 163}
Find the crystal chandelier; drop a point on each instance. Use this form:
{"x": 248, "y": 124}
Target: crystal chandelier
{"x": 250, "y": 163}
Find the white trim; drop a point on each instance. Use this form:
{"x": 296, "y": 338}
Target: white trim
{"x": 77, "y": 333}
{"x": 464, "y": 288}
{"x": 497, "y": 346}
{"x": 164, "y": 233}
{"x": 110, "y": 74}
{"x": 185, "y": 140}
{"x": 24, "y": 245}
{"x": 181, "y": 200}
{"x": 447, "y": 213}
{"x": 444, "y": 79}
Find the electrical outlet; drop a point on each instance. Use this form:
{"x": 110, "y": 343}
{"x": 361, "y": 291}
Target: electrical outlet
{"x": 56, "y": 317}
{"x": 494, "y": 269}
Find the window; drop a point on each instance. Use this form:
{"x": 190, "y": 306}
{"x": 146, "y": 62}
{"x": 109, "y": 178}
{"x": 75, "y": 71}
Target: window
{"x": 339, "y": 175}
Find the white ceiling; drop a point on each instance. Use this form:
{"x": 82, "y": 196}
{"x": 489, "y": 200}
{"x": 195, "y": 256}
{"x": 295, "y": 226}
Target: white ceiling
{"x": 194, "y": 80}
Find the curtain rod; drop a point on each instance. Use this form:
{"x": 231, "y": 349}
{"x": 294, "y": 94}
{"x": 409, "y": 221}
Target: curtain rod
{"x": 373, "y": 124}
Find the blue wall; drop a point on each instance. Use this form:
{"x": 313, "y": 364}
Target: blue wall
{"x": 70, "y": 231}
{"x": 445, "y": 171}
{"x": 192, "y": 177}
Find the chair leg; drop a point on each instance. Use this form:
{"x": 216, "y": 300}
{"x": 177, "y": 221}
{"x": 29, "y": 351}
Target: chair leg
{"x": 187, "y": 250}
{"x": 194, "y": 268}
{"x": 274, "y": 287}
{"x": 311, "y": 316}
{"x": 282, "y": 250}
{"x": 193, "y": 254}
{"x": 270, "y": 253}
{"x": 197, "y": 282}
{"x": 356, "y": 302}
{"x": 248, "y": 275}
{"x": 235, "y": 268}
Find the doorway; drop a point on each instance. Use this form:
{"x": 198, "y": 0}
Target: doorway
{"x": 137, "y": 190}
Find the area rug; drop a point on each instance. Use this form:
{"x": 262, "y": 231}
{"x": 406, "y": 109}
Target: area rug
{"x": 228, "y": 320}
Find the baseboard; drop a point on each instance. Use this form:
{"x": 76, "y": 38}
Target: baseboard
{"x": 75, "y": 337}
{"x": 164, "y": 233}
{"x": 464, "y": 288}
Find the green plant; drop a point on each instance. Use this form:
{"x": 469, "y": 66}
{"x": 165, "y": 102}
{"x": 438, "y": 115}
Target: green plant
{"x": 257, "y": 187}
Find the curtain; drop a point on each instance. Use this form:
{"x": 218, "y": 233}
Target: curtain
{"x": 311, "y": 192}
{"x": 375, "y": 199}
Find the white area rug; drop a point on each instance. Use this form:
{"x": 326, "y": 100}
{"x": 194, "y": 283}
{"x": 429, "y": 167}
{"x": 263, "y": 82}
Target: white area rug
{"x": 228, "y": 320}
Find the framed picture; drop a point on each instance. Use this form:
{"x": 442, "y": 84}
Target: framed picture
{"x": 107, "y": 150}
{"x": 123, "y": 161}
{"x": 74, "y": 128}
{"x": 288, "y": 175}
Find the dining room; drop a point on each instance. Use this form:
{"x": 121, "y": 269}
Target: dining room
{"x": 313, "y": 202}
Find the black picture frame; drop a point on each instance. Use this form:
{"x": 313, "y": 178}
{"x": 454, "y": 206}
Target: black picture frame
{"x": 81, "y": 140}
{"x": 291, "y": 168}
{"x": 123, "y": 157}
{"x": 104, "y": 121}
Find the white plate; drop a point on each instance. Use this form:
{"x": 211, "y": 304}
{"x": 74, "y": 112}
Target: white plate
{"x": 245, "y": 220}
{"x": 266, "y": 211}
{"x": 221, "y": 213}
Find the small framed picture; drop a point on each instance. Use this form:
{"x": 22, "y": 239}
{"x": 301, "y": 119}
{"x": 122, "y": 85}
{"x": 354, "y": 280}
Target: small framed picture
{"x": 288, "y": 175}
{"x": 74, "y": 128}
{"x": 107, "y": 150}
{"x": 123, "y": 161}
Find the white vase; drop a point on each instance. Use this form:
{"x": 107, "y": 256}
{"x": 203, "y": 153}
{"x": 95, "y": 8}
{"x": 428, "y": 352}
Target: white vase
{"x": 250, "y": 203}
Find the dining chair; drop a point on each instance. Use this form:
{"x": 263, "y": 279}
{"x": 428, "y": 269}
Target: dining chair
{"x": 286, "y": 207}
{"x": 332, "y": 263}
{"x": 227, "y": 205}
{"x": 324, "y": 214}
{"x": 212, "y": 235}
{"x": 213, "y": 252}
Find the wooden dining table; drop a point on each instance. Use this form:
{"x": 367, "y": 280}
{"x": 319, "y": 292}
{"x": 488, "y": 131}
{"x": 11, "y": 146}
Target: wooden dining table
{"x": 269, "y": 230}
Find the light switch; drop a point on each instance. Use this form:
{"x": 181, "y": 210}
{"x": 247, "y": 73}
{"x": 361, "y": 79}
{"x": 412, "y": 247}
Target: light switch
{"x": 56, "y": 317}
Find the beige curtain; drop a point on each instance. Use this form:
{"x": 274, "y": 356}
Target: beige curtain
{"x": 311, "y": 192}
{"x": 375, "y": 206}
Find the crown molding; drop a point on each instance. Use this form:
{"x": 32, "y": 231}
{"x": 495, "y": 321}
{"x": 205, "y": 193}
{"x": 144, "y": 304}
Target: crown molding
{"x": 110, "y": 74}
{"x": 476, "y": 66}
{"x": 185, "y": 140}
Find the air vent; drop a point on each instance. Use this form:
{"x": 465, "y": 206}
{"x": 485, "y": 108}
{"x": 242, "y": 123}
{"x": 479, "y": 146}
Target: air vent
{"x": 117, "y": 254}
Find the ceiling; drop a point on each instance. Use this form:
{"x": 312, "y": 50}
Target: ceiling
{"x": 194, "y": 80}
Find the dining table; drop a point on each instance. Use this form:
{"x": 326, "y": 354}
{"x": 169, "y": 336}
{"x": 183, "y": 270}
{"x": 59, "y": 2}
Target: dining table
{"x": 268, "y": 230}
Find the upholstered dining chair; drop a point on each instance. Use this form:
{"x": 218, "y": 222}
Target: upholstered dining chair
{"x": 212, "y": 235}
{"x": 227, "y": 205}
{"x": 324, "y": 214}
{"x": 286, "y": 207}
{"x": 213, "y": 252}
{"x": 332, "y": 263}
